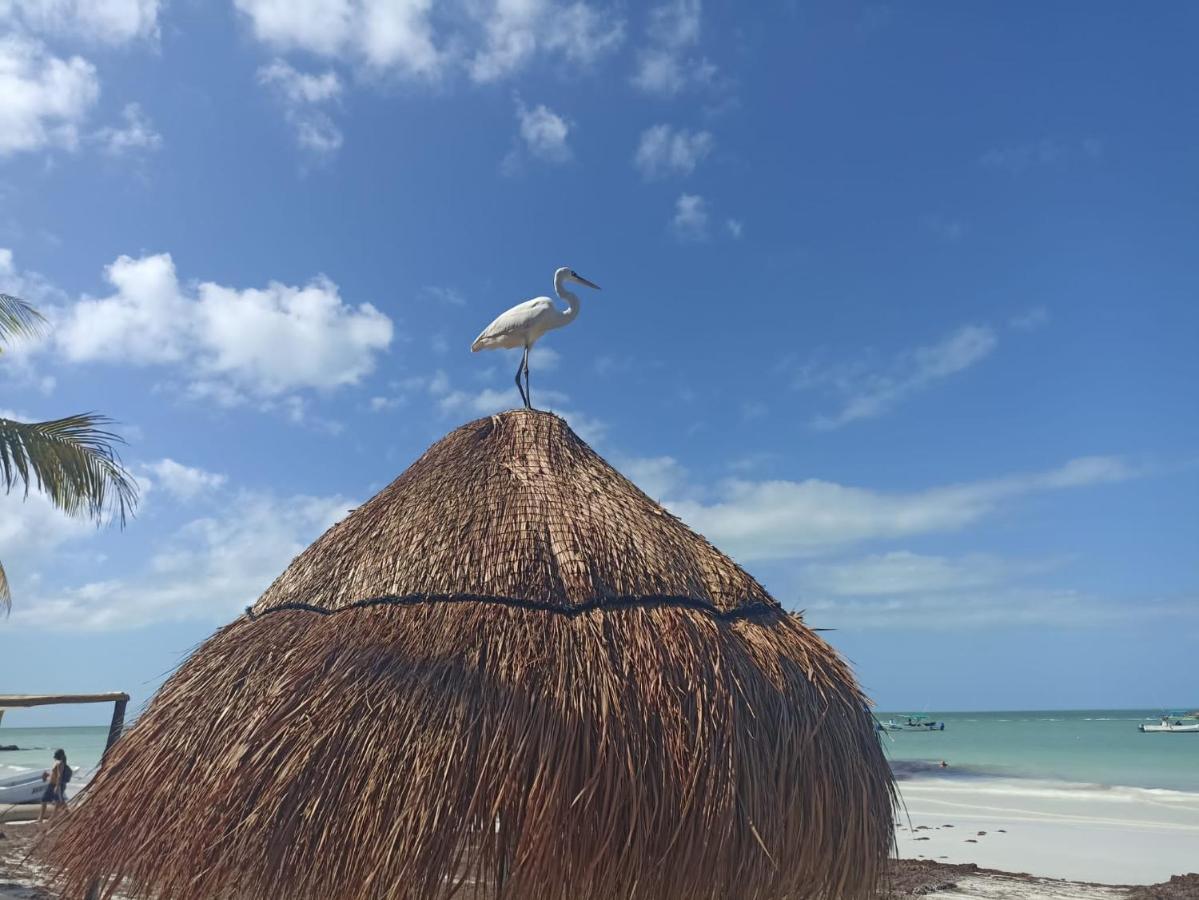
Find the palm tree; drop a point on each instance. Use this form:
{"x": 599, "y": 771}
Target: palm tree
{"x": 72, "y": 461}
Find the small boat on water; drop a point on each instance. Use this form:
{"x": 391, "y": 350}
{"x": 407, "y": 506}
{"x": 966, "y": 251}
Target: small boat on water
{"x": 1171, "y": 724}
{"x": 911, "y": 723}
{"x": 23, "y": 787}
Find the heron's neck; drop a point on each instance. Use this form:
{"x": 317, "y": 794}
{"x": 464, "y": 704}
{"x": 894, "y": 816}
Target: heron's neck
{"x": 572, "y": 301}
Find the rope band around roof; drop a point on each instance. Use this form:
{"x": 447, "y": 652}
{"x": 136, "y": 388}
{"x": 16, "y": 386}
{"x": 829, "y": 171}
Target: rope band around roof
{"x": 747, "y": 611}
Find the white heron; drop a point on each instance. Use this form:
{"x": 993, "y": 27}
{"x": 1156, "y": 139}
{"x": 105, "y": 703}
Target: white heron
{"x": 525, "y": 323}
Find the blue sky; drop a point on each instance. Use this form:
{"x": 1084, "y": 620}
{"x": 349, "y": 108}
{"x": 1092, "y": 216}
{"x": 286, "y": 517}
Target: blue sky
{"x": 899, "y": 307}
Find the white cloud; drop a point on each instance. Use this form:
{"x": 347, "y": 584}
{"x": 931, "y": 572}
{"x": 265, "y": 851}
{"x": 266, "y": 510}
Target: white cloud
{"x": 183, "y": 482}
{"x": 213, "y": 566}
{"x": 589, "y": 428}
{"x": 582, "y": 33}
{"x": 439, "y": 384}
{"x": 34, "y": 531}
{"x": 902, "y": 572}
{"x": 690, "y": 222}
{"x": 452, "y": 401}
{"x": 907, "y": 590}
{"x": 484, "y": 402}
{"x": 232, "y": 343}
{"x": 489, "y": 39}
{"x": 209, "y": 569}
{"x": 514, "y": 29}
{"x": 302, "y": 96}
{"x": 544, "y": 133}
{"x": 386, "y": 404}
{"x": 397, "y": 34}
{"x": 323, "y": 27}
{"x": 107, "y": 21}
{"x": 31, "y": 527}
{"x": 383, "y": 34}
{"x": 910, "y": 590}
{"x": 318, "y": 135}
{"x": 510, "y": 42}
{"x": 44, "y": 99}
{"x": 436, "y": 387}
{"x": 145, "y": 321}
{"x": 789, "y": 519}
{"x": 999, "y": 607}
{"x": 675, "y": 23}
{"x": 735, "y": 227}
{"x": 869, "y": 390}
{"x": 659, "y": 72}
{"x": 663, "y": 66}
{"x": 664, "y": 150}
{"x": 136, "y": 135}
{"x": 297, "y": 87}
{"x": 657, "y": 476}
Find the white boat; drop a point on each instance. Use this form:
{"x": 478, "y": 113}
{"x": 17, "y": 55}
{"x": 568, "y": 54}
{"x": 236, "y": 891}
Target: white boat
{"x": 24, "y": 787}
{"x": 1176, "y": 726}
{"x": 912, "y": 723}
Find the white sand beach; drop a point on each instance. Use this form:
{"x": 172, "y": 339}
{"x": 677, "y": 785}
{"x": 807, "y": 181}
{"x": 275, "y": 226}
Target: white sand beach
{"x": 1111, "y": 835}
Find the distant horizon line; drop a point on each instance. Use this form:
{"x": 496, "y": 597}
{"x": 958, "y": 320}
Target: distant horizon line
{"x": 906, "y": 711}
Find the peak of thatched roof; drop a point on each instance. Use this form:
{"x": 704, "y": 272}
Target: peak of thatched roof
{"x": 517, "y": 508}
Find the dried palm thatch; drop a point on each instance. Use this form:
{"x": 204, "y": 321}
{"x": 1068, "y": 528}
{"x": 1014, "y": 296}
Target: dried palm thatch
{"x": 508, "y": 675}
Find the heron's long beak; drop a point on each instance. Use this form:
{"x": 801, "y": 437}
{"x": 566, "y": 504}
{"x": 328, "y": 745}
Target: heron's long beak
{"x": 581, "y": 280}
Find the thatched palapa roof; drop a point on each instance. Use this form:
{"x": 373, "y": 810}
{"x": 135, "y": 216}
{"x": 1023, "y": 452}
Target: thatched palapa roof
{"x": 510, "y": 674}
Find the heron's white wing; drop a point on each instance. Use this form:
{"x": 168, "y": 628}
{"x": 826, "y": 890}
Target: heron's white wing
{"x": 520, "y": 325}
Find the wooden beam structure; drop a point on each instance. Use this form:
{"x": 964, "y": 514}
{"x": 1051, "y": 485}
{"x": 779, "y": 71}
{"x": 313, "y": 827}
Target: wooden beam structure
{"x": 23, "y": 701}
{"x": 118, "y": 699}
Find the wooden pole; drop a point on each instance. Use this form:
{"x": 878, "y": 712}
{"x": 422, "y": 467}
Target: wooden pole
{"x": 114, "y": 733}
{"x": 116, "y": 727}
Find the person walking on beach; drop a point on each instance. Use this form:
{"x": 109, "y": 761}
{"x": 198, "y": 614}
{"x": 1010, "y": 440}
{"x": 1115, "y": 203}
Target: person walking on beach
{"x": 56, "y": 784}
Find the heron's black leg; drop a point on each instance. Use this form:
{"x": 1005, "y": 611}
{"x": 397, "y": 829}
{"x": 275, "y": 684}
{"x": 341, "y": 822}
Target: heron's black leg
{"x": 519, "y": 386}
{"x": 528, "y": 390}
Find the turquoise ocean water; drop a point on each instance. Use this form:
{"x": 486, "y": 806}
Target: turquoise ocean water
{"x": 1100, "y": 747}
{"x": 83, "y": 746}
{"x": 1090, "y": 746}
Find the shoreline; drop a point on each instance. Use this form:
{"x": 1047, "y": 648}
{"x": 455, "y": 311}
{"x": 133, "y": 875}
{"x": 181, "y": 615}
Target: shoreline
{"x": 1080, "y": 832}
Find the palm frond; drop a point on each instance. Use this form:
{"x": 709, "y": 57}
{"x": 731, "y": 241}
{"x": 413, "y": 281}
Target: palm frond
{"x": 5, "y": 595}
{"x": 19, "y": 319}
{"x": 73, "y": 461}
